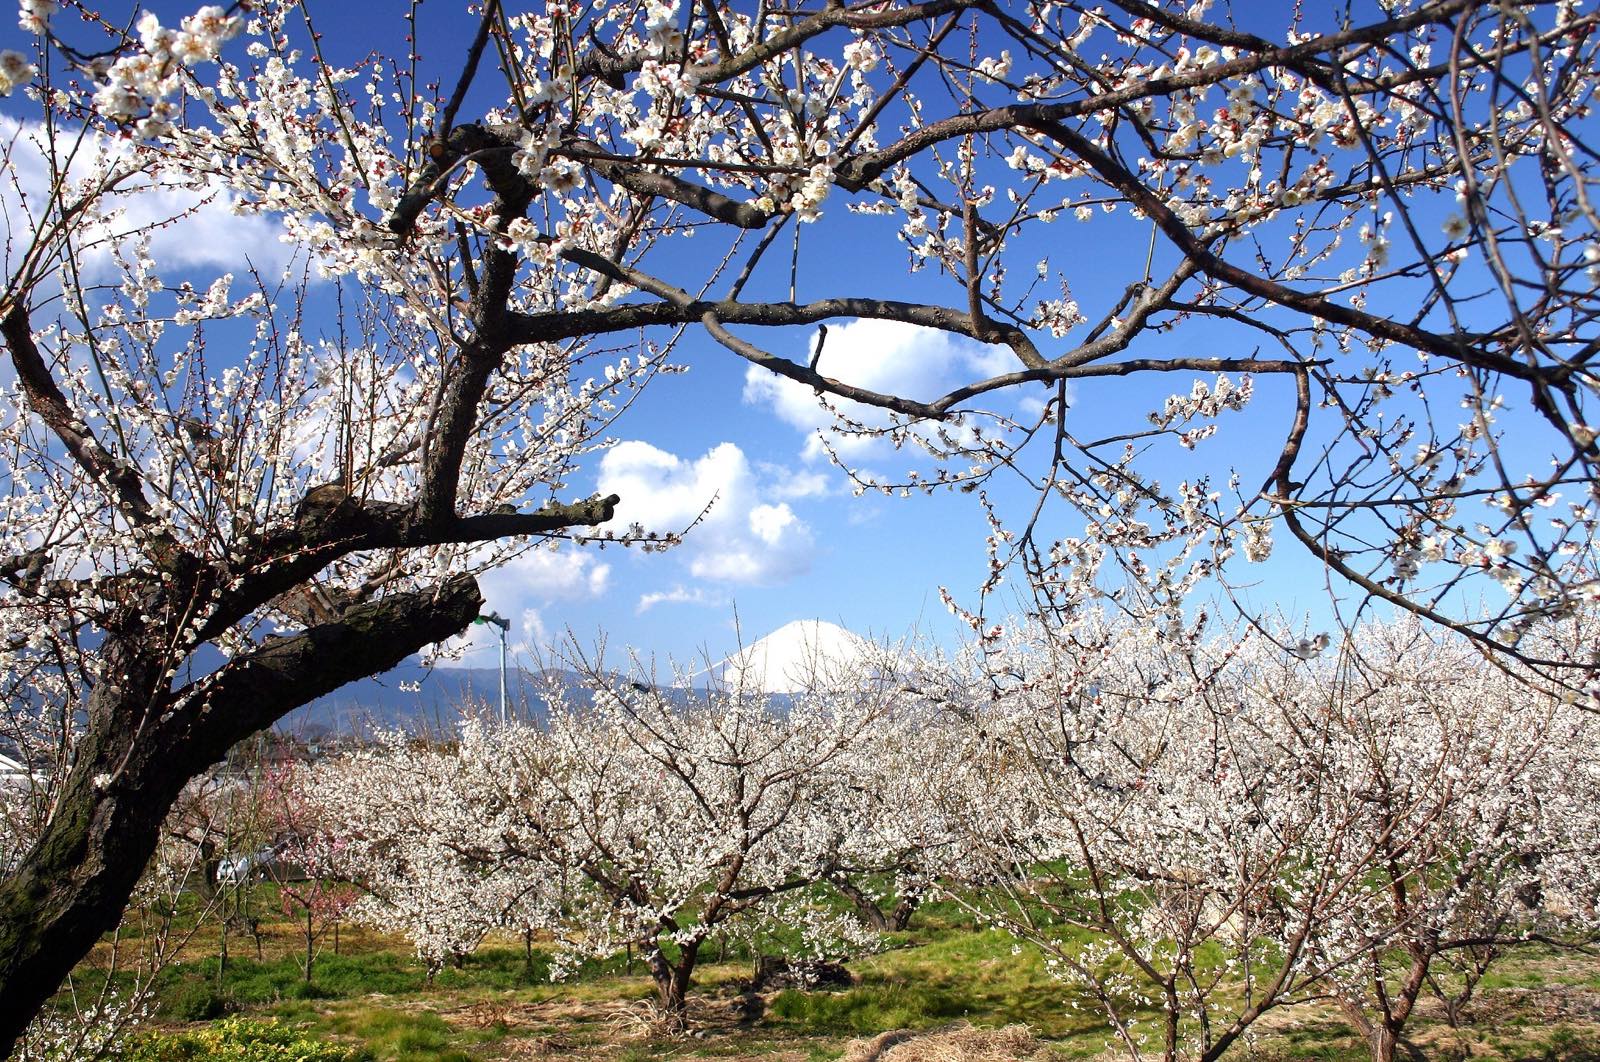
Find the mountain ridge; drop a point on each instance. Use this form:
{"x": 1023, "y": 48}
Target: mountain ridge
{"x": 422, "y": 699}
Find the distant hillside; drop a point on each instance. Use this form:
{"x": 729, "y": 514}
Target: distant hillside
{"x": 436, "y": 700}
{"x": 443, "y": 697}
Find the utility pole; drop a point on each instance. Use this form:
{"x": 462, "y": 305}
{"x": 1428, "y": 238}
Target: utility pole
{"x": 497, "y": 620}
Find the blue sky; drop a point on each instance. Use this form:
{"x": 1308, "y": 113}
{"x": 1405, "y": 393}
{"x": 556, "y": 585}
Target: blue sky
{"x": 786, "y": 538}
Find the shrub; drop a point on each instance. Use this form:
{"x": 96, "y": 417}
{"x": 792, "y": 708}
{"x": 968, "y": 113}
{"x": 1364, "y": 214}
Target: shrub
{"x": 193, "y": 999}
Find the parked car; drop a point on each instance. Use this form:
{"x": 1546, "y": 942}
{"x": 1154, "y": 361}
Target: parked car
{"x": 270, "y": 861}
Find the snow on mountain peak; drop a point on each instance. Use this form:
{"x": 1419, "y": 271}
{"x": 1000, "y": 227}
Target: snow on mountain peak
{"x": 786, "y": 660}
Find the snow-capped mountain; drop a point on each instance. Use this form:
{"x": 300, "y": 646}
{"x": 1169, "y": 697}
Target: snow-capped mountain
{"x": 785, "y": 661}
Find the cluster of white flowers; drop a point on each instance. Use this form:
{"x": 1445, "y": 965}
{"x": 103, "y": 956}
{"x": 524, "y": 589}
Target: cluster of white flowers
{"x": 15, "y": 69}
{"x": 1060, "y": 316}
{"x": 34, "y": 15}
{"x": 863, "y": 55}
{"x": 1204, "y": 401}
{"x": 995, "y": 68}
{"x": 1257, "y": 540}
{"x": 95, "y": 1029}
{"x": 807, "y": 199}
{"x": 661, "y": 25}
{"x": 136, "y": 87}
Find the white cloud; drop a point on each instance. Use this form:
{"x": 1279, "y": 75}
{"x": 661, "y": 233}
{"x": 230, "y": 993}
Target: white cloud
{"x": 745, "y": 537}
{"x": 1031, "y": 406}
{"x": 769, "y": 522}
{"x": 678, "y": 595}
{"x": 518, "y": 590}
{"x": 563, "y": 573}
{"x": 789, "y": 484}
{"x": 886, "y": 356}
{"x": 189, "y": 228}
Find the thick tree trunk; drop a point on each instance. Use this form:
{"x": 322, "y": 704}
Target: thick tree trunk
{"x": 139, "y": 751}
{"x": 866, "y": 908}
{"x": 1381, "y": 1031}
{"x": 1382, "y": 1042}
{"x": 72, "y": 887}
{"x": 672, "y": 982}
{"x": 900, "y": 918}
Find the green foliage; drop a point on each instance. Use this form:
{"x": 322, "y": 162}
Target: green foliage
{"x": 246, "y": 981}
{"x": 499, "y": 968}
{"x": 194, "y": 999}
{"x": 238, "y": 1040}
{"x": 1570, "y": 1045}
{"x": 376, "y": 995}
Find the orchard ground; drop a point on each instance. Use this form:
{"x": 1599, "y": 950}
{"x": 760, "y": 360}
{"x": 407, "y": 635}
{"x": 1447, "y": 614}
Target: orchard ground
{"x": 369, "y": 999}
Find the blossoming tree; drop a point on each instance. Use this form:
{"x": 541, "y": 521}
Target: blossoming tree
{"x": 1465, "y": 809}
{"x": 643, "y": 818}
{"x": 1396, "y": 205}
{"x": 1141, "y": 824}
{"x": 687, "y": 814}
{"x": 422, "y": 830}
{"x": 1210, "y": 830}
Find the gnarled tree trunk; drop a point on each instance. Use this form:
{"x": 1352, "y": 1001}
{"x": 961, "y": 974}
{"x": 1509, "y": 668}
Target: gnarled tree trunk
{"x": 139, "y": 751}
{"x": 870, "y": 911}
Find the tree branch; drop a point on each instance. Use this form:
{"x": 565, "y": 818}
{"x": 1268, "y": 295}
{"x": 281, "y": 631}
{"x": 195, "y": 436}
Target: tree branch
{"x": 253, "y": 691}
{"x": 1192, "y": 248}
{"x": 51, "y": 406}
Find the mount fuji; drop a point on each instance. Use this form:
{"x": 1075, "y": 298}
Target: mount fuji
{"x": 785, "y": 661}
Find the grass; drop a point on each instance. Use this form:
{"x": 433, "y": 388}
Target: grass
{"x": 376, "y": 1001}
{"x": 403, "y": 1036}
{"x": 866, "y": 1010}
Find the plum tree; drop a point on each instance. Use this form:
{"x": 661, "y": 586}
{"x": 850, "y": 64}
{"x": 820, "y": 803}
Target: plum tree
{"x": 212, "y": 515}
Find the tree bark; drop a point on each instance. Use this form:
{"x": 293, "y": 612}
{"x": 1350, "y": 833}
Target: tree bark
{"x": 1381, "y": 1031}
{"x": 867, "y": 909}
{"x": 872, "y": 913}
{"x": 139, "y": 751}
{"x": 311, "y": 943}
{"x": 1382, "y": 1043}
{"x": 899, "y": 919}
{"x": 672, "y": 981}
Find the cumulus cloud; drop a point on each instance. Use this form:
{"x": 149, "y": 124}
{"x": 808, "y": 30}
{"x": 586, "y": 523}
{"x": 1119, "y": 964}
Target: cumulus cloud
{"x": 565, "y": 572}
{"x": 520, "y": 590}
{"x": 788, "y": 484}
{"x": 748, "y": 536}
{"x": 886, "y": 356}
{"x": 206, "y": 232}
{"x": 678, "y": 595}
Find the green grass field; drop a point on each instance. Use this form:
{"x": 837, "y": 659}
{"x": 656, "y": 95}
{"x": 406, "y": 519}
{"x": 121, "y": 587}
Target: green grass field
{"x": 371, "y": 1000}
